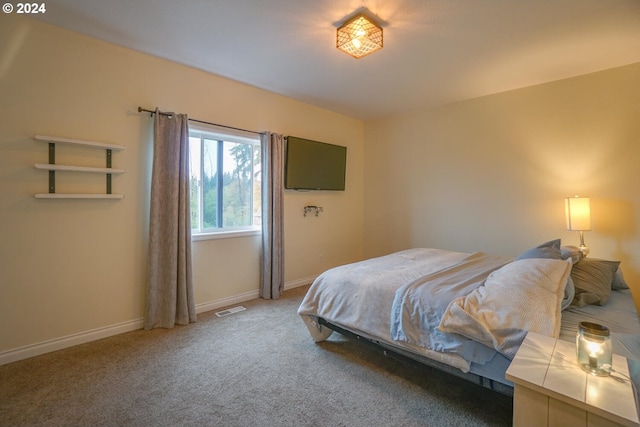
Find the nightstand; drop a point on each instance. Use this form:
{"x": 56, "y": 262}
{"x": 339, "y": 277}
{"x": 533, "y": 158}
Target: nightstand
{"x": 550, "y": 389}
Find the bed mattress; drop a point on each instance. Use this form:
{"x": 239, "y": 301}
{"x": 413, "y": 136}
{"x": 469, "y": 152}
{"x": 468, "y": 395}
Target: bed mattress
{"x": 365, "y": 296}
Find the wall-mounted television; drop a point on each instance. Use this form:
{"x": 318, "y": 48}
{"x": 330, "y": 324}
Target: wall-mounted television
{"x": 313, "y": 165}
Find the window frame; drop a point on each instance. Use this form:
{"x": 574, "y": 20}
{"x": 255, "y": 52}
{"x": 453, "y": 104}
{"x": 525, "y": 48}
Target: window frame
{"x": 210, "y": 132}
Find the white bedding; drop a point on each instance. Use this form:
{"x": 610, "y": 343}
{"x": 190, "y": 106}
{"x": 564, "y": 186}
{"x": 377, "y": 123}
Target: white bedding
{"x": 523, "y": 296}
{"x": 419, "y": 306}
{"x": 360, "y": 297}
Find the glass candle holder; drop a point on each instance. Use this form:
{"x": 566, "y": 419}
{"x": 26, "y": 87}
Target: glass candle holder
{"x": 593, "y": 348}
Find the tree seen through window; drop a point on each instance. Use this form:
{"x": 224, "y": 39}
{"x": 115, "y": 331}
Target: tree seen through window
{"x": 225, "y": 183}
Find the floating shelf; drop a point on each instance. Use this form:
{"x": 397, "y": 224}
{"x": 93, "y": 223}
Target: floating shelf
{"x": 52, "y": 167}
{"x": 77, "y": 196}
{"x": 49, "y": 167}
{"x": 56, "y": 139}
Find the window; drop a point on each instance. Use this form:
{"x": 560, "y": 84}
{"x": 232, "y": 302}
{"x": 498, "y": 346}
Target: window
{"x": 225, "y": 182}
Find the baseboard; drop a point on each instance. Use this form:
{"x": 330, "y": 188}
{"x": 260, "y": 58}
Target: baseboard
{"x": 225, "y": 302}
{"x": 300, "y": 282}
{"x": 13, "y": 355}
{"x": 48, "y": 346}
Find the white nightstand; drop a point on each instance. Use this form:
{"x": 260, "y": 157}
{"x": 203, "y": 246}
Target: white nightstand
{"x": 550, "y": 389}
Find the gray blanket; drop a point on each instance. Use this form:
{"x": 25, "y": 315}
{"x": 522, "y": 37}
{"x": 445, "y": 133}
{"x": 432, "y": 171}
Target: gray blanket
{"x": 359, "y": 296}
{"x": 419, "y": 306}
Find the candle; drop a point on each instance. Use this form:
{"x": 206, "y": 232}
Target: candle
{"x": 593, "y": 362}
{"x": 593, "y": 348}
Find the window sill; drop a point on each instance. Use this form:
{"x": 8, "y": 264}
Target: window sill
{"x": 225, "y": 234}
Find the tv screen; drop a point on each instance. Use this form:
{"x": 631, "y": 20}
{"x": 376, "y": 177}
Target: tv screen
{"x": 313, "y": 165}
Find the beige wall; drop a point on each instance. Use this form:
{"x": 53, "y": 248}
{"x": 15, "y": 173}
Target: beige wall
{"x": 491, "y": 173}
{"x": 72, "y": 266}
{"x": 488, "y": 174}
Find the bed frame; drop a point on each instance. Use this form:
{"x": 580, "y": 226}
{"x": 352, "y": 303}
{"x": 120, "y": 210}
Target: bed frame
{"x": 414, "y": 359}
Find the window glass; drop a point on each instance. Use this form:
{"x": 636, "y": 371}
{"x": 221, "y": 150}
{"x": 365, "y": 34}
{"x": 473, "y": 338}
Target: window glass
{"x": 225, "y": 182}
{"x": 210, "y": 184}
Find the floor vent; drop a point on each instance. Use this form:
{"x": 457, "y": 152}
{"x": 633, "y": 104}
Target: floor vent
{"x": 229, "y": 311}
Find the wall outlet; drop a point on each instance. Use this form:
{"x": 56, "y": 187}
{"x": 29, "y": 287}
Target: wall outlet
{"x": 321, "y": 258}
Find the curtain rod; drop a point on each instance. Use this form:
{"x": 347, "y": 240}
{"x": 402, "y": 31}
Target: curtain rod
{"x": 141, "y": 110}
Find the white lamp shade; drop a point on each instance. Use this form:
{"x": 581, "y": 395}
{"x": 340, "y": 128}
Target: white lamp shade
{"x": 578, "y": 213}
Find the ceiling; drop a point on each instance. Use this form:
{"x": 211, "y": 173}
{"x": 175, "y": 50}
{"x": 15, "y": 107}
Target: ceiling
{"x": 435, "y": 51}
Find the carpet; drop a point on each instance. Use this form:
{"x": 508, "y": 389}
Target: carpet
{"x": 257, "y": 367}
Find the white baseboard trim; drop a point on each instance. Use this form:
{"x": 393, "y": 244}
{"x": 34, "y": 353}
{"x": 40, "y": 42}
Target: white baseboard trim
{"x": 13, "y": 355}
{"x": 300, "y": 282}
{"x": 225, "y": 302}
{"x": 48, "y": 346}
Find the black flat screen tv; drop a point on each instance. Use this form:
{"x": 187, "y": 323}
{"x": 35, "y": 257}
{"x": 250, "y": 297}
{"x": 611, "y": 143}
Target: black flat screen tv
{"x": 313, "y": 165}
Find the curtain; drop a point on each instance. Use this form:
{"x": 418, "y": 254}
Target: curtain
{"x": 272, "y": 255}
{"x": 169, "y": 292}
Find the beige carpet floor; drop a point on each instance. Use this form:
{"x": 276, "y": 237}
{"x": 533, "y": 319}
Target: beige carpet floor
{"x": 258, "y": 367}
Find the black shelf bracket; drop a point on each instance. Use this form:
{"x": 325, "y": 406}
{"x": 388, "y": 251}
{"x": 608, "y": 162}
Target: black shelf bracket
{"x": 52, "y": 161}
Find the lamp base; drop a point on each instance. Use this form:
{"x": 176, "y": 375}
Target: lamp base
{"x": 584, "y": 251}
{"x": 600, "y": 372}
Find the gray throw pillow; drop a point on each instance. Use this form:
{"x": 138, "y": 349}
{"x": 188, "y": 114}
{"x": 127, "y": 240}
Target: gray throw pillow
{"x": 549, "y": 250}
{"x": 572, "y": 252}
{"x": 569, "y": 293}
{"x": 618, "y": 281}
{"x": 593, "y": 279}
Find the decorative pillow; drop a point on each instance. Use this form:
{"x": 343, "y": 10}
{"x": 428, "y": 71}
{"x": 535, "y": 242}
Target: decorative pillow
{"x": 569, "y": 293}
{"x": 572, "y": 252}
{"x": 593, "y": 279}
{"x": 523, "y": 296}
{"x": 618, "y": 281}
{"x": 550, "y": 250}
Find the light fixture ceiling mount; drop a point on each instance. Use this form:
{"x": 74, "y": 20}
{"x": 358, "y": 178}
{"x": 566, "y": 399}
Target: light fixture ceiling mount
{"x": 359, "y": 36}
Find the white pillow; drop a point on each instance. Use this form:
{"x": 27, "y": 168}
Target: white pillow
{"x": 522, "y": 296}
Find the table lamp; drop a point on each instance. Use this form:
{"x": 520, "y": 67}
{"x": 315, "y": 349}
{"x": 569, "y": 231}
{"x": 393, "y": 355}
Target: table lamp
{"x": 578, "y": 214}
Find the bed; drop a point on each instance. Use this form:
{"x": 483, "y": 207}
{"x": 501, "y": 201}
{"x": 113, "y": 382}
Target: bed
{"x": 468, "y": 313}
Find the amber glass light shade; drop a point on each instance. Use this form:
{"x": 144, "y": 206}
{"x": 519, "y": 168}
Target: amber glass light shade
{"x": 359, "y": 36}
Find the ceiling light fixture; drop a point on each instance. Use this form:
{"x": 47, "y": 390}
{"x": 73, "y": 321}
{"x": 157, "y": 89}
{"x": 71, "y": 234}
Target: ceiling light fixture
{"x": 359, "y": 36}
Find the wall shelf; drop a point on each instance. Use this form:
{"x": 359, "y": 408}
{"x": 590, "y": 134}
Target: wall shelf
{"x": 52, "y": 167}
{"x": 55, "y": 139}
{"x": 77, "y": 196}
{"x": 68, "y": 168}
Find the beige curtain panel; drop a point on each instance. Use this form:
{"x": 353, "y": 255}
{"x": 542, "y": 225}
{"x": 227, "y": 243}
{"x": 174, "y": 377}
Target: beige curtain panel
{"x": 169, "y": 292}
{"x": 272, "y": 271}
